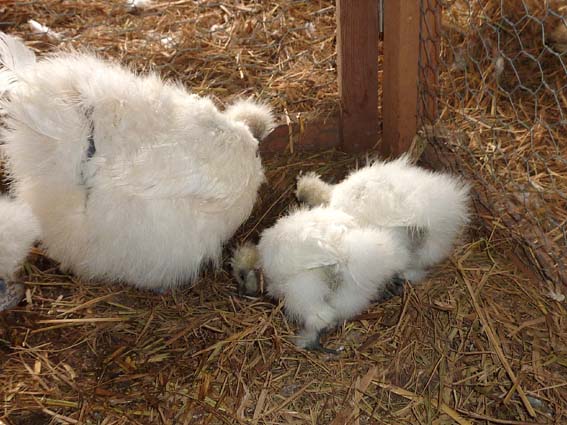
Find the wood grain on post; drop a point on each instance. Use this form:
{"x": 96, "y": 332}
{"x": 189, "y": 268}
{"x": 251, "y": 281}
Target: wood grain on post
{"x": 400, "y": 79}
{"x": 429, "y": 61}
{"x": 357, "y": 63}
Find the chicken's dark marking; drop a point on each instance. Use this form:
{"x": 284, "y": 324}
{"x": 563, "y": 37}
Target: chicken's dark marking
{"x": 393, "y": 288}
{"x": 91, "y": 148}
{"x": 417, "y": 236}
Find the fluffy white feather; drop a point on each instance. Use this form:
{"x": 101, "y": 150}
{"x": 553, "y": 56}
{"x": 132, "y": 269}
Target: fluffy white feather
{"x": 323, "y": 266}
{"x": 131, "y": 178}
{"x": 15, "y": 57}
{"x": 426, "y": 209}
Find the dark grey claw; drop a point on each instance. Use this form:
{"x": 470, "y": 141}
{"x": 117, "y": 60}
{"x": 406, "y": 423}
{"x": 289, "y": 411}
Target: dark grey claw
{"x": 398, "y": 281}
{"x": 10, "y": 295}
{"x": 160, "y": 290}
{"x": 394, "y": 288}
{"x": 326, "y": 350}
{"x": 315, "y": 345}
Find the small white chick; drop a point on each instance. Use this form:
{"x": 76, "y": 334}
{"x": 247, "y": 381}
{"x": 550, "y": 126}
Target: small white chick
{"x": 426, "y": 209}
{"x": 324, "y": 267}
{"x": 19, "y": 229}
{"x": 132, "y": 178}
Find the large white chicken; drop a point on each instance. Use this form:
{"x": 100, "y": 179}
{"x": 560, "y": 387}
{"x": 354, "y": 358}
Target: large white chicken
{"x": 323, "y": 265}
{"x": 19, "y": 229}
{"x": 132, "y": 178}
{"x": 426, "y": 209}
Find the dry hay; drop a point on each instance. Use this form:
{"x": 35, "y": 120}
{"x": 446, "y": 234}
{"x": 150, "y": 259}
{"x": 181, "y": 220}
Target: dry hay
{"x": 479, "y": 342}
{"x": 282, "y": 51}
{"x": 503, "y": 93}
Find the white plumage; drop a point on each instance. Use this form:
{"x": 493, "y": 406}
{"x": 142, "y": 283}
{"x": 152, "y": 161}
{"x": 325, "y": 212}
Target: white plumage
{"x": 131, "y": 178}
{"x": 426, "y": 209}
{"x": 19, "y": 229}
{"x": 323, "y": 265}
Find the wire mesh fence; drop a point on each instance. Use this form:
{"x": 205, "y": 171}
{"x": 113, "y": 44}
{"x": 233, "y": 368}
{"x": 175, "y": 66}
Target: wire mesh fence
{"x": 498, "y": 70}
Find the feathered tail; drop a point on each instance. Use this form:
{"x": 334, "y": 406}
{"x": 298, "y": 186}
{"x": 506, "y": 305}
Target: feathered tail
{"x": 15, "y": 57}
{"x": 257, "y": 116}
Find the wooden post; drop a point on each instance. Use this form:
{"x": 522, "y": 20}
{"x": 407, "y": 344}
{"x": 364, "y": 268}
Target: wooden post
{"x": 400, "y": 79}
{"x": 429, "y": 61}
{"x": 311, "y": 136}
{"x": 357, "y": 65}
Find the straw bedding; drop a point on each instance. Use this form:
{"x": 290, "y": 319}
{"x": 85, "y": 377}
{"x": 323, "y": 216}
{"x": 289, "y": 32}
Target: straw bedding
{"x": 479, "y": 342}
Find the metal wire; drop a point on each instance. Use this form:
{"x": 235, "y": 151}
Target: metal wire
{"x": 498, "y": 73}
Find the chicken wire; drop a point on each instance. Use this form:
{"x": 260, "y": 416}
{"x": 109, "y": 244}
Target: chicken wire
{"x": 493, "y": 94}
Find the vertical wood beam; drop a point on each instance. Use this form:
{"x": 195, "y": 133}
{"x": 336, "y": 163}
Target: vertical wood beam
{"x": 357, "y": 66}
{"x": 429, "y": 61}
{"x": 400, "y": 78}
